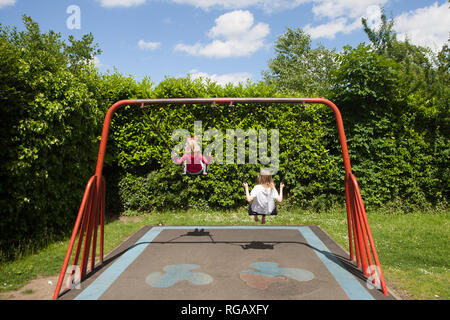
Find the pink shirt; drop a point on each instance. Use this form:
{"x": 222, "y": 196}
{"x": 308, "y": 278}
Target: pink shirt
{"x": 193, "y": 162}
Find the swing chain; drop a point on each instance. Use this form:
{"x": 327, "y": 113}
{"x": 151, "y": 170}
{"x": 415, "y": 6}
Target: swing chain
{"x": 233, "y": 108}
{"x": 213, "y": 118}
{"x": 155, "y": 128}
{"x": 299, "y": 121}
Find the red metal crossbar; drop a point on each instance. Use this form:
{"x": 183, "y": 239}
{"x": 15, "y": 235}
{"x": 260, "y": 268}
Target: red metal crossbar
{"x": 91, "y": 214}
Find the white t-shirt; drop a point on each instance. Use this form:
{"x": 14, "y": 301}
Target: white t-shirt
{"x": 264, "y": 199}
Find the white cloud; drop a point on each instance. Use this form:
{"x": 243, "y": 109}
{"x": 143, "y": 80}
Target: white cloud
{"x": 266, "y": 5}
{"x": 5, "y": 3}
{"x": 330, "y": 29}
{"x": 150, "y": 46}
{"x": 427, "y": 26}
{"x": 344, "y": 16}
{"x": 223, "y": 79}
{"x": 353, "y": 9}
{"x": 121, "y": 3}
{"x": 234, "y": 35}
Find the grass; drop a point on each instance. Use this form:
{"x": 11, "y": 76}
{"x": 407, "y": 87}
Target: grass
{"x": 413, "y": 248}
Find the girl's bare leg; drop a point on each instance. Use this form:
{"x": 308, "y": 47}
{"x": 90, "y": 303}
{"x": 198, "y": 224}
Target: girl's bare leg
{"x": 256, "y": 218}
{"x": 263, "y": 220}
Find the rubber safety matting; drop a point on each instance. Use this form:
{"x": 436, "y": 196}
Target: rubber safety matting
{"x": 227, "y": 263}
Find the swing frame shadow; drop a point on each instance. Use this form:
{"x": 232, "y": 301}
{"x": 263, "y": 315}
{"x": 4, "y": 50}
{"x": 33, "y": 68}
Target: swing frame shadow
{"x": 91, "y": 214}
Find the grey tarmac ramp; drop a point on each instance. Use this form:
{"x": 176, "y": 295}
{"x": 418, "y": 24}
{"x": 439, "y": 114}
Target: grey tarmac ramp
{"x": 227, "y": 263}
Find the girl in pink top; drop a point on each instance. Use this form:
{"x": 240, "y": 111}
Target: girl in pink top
{"x": 195, "y": 161}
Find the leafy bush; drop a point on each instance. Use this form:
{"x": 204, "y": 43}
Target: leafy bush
{"x": 396, "y": 150}
{"x": 49, "y": 120}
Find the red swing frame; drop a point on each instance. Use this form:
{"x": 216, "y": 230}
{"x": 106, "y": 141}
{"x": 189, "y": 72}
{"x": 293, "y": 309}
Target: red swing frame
{"x": 91, "y": 214}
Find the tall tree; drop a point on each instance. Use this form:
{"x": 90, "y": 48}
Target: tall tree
{"x": 416, "y": 61}
{"x": 297, "y": 67}
{"x": 384, "y": 37}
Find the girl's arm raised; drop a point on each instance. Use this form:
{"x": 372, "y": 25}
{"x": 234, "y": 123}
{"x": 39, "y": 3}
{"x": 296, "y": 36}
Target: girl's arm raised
{"x": 247, "y": 194}
{"x": 207, "y": 160}
{"x": 280, "y": 197}
{"x": 179, "y": 160}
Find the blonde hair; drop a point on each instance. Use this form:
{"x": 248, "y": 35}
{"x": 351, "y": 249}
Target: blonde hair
{"x": 265, "y": 179}
{"x": 192, "y": 146}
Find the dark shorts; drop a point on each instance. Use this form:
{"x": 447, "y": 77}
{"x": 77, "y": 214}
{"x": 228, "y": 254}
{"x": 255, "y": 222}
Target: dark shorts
{"x": 253, "y": 213}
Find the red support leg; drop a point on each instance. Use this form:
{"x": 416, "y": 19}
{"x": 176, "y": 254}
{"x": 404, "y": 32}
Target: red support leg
{"x": 362, "y": 251}
{"x": 73, "y": 237}
{"x": 364, "y": 234}
{"x": 356, "y": 238}
{"x": 372, "y": 244}
{"x": 349, "y": 220}
{"x": 95, "y": 217}
{"x": 88, "y": 235}
{"x": 102, "y": 217}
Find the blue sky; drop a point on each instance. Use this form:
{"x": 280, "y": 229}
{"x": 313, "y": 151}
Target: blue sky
{"x": 226, "y": 40}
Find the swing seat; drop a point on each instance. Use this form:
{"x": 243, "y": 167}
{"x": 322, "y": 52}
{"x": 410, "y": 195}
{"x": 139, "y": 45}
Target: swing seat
{"x": 203, "y": 172}
{"x": 252, "y": 213}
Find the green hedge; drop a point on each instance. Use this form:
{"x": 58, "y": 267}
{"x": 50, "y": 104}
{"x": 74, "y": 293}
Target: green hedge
{"x": 151, "y": 181}
{"x": 53, "y": 104}
{"x": 397, "y": 135}
{"x": 49, "y": 120}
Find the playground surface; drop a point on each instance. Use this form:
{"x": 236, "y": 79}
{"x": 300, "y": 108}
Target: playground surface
{"x": 227, "y": 263}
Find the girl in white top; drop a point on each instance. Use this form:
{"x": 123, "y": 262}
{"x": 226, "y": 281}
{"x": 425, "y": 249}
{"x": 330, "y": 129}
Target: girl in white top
{"x": 263, "y": 196}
